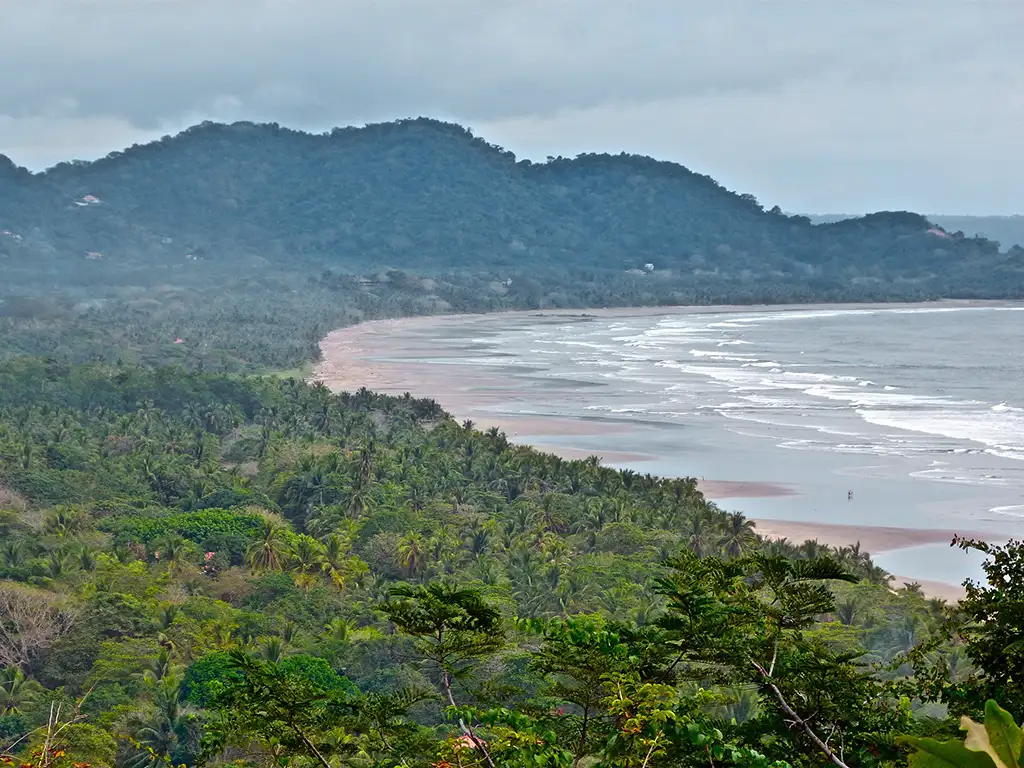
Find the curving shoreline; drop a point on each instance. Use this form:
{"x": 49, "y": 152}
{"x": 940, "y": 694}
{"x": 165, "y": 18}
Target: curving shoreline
{"x": 390, "y": 356}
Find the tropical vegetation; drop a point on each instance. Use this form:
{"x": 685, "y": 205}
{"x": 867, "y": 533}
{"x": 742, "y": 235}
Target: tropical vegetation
{"x": 200, "y": 568}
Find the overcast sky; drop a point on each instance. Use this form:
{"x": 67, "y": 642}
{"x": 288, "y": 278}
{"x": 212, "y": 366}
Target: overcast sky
{"x": 817, "y": 106}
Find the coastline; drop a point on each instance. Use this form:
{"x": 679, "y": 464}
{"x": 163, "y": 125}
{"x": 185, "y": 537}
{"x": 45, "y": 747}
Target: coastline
{"x": 386, "y": 356}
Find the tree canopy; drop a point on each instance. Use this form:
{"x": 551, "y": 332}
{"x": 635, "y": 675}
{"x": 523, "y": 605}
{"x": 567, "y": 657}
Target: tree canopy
{"x": 204, "y": 568}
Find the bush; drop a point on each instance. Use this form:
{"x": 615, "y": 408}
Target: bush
{"x": 205, "y": 675}
{"x": 317, "y": 672}
{"x": 271, "y": 587}
{"x": 198, "y": 526}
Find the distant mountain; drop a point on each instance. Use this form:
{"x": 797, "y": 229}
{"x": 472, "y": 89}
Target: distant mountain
{"x": 1008, "y": 231}
{"x": 248, "y": 240}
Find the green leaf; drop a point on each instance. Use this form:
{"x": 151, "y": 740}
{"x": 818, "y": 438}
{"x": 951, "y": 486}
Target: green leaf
{"x": 945, "y": 754}
{"x": 1003, "y": 734}
{"x": 977, "y": 741}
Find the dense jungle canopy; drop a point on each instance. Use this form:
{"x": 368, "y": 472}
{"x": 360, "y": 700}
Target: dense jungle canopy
{"x": 201, "y": 564}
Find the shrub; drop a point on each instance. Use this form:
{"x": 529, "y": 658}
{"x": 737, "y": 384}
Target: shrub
{"x": 198, "y": 527}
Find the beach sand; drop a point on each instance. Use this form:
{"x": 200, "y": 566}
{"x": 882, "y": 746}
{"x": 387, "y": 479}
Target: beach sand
{"x": 387, "y": 356}
{"x": 742, "y": 489}
{"x": 951, "y": 593}
{"x": 875, "y": 539}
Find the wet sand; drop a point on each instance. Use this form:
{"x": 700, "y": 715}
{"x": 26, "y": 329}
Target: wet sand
{"x": 742, "y": 489}
{"x": 874, "y": 539}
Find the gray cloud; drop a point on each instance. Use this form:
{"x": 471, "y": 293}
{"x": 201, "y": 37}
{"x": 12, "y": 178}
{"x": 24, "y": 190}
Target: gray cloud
{"x": 840, "y": 106}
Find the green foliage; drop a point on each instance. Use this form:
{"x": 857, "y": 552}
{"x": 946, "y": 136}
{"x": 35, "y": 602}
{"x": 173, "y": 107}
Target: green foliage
{"x": 992, "y": 623}
{"x": 205, "y": 564}
{"x": 995, "y": 744}
{"x": 281, "y": 706}
{"x": 206, "y": 676}
{"x": 746, "y": 622}
{"x": 16, "y": 691}
{"x": 199, "y": 526}
{"x": 986, "y": 629}
{"x": 317, "y": 672}
{"x": 550, "y": 612}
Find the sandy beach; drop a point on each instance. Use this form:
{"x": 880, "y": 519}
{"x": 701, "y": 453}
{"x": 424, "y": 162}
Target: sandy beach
{"x": 874, "y": 539}
{"x": 398, "y": 356}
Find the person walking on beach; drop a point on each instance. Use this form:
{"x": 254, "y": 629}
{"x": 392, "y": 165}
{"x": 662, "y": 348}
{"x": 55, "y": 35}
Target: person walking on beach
{"x": 849, "y": 495}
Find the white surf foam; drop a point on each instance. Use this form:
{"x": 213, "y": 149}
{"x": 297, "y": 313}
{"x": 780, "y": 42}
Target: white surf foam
{"x": 724, "y": 357}
{"x": 1001, "y": 432}
{"x": 1013, "y": 510}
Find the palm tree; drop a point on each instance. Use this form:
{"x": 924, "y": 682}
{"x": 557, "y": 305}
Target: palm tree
{"x": 58, "y": 563}
{"x": 937, "y": 606}
{"x": 16, "y": 690}
{"x": 846, "y": 611}
{"x": 813, "y": 549}
{"x": 337, "y": 630}
{"x": 524, "y": 567}
{"x": 67, "y": 521}
{"x": 307, "y": 558}
{"x": 744, "y": 707}
{"x": 628, "y": 478}
{"x": 335, "y": 551}
{"x": 913, "y": 588}
{"x": 696, "y": 533}
{"x": 958, "y": 663}
{"x": 86, "y": 558}
{"x": 573, "y": 591}
{"x": 550, "y": 517}
{"x": 498, "y": 439}
{"x": 167, "y": 613}
{"x": 905, "y": 634}
{"x": 159, "y": 667}
{"x": 478, "y": 541}
{"x": 307, "y": 554}
{"x": 273, "y": 649}
{"x": 269, "y": 551}
{"x": 359, "y": 497}
{"x": 221, "y": 633}
{"x": 780, "y": 546}
{"x": 410, "y": 553}
{"x": 13, "y": 553}
{"x": 444, "y": 546}
{"x": 365, "y": 462}
{"x": 739, "y": 534}
{"x": 302, "y": 490}
{"x": 460, "y": 495}
{"x": 167, "y": 729}
{"x": 172, "y": 549}
{"x": 877, "y": 575}
{"x": 488, "y": 571}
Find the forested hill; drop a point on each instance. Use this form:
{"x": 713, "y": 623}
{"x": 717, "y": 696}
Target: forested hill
{"x": 249, "y": 241}
{"x": 1006, "y": 230}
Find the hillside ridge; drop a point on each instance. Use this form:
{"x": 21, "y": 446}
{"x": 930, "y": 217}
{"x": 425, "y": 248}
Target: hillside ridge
{"x": 250, "y": 241}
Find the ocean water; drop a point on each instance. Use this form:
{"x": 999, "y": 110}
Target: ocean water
{"x": 919, "y": 411}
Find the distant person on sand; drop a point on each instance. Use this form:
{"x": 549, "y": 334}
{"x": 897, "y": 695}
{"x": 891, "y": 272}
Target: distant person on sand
{"x": 849, "y": 495}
